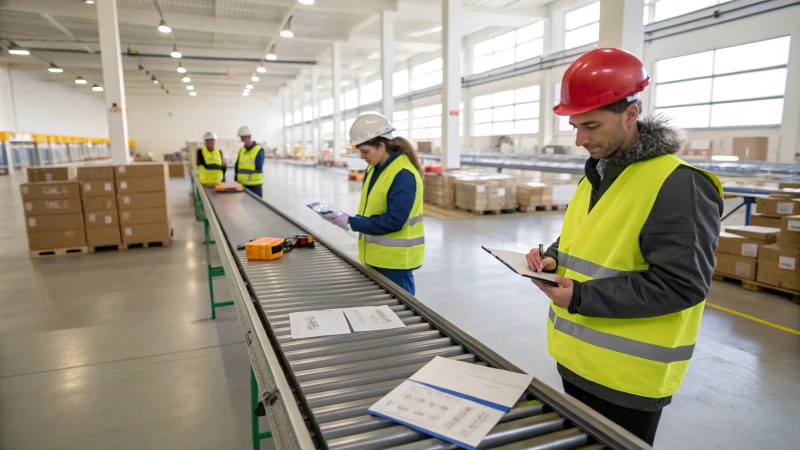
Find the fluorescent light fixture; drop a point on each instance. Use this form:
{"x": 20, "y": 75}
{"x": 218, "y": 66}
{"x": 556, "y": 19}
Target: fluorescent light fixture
{"x": 271, "y": 56}
{"x": 163, "y": 27}
{"x": 245, "y": 93}
{"x": 287, "y": 31}
{"x": 175, "y": 53}
{"x": 186, "y": 79}
{"x": 249, "y": 86}
{"x": 181, "y": 69}
{"x": 89, "y": 2}
{"x": 97, "y": 88}
{"x": 55, "y": 69}
{"x": 261, "y": 69}
{"x": 80, "y": 80}
{"x": 193, "y": 94}
{"x": 254, "y": 79}
{"x": 725, "y": 158}
{"x": 154, "y": 79}
{"x": 306, "y": 2}
{"x": 14, "y": 49}
{"x": 190, "y": 87}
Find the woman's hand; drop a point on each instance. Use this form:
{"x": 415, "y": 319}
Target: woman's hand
{"x": 342, "y": 221}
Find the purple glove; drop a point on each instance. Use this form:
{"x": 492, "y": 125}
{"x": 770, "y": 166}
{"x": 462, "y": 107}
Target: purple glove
{"x": 342, "y": 221}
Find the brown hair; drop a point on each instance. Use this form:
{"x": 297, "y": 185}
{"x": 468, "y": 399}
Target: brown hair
{"x": 398, "y": 144}
{"x": 620, "y": 106}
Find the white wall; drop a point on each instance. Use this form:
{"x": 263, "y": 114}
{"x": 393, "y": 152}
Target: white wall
{"x": 163, "y": 124}
{"x": 32, "y": 105}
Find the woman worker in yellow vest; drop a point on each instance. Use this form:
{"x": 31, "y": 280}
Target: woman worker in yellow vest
{"x": 210, "y": 161}
{"x": 389, "y": 220}
{"x": 636, "y": 250}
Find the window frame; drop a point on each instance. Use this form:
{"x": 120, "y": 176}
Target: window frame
{"x": 512, "y": 106}
{"x": 567, "y": 30}
{"x": 517, "y": 43}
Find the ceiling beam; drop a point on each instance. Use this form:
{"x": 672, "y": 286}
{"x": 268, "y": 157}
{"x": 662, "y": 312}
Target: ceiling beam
{"x": 346, "y": 6}
{"x": 64, "y": 30}
{"x": 487, "y": 16}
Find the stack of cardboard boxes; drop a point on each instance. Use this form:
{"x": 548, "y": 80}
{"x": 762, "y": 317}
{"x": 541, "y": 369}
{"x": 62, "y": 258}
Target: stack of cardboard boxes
{"x": 480, "y": 193}
{"x": 100, "y": 206}
{"x": 530, "y": 195}
{"x": 440, "y": 189}
{"x": 738, "y": 250}
{"x": 779, "y": 264}
{"x": 53, "y": 217}
{"x": 143, "y": 205}
{"x": 37, "y": 174}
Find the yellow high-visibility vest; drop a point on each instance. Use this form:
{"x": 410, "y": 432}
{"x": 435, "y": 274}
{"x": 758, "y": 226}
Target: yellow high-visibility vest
{"x": 246, "y": 174}
{"x": 213, "y": 172}
{"x": 647, "y": 357}
{"x": 404, "y": 249}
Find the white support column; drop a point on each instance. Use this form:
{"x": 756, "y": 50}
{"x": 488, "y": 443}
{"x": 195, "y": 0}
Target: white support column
{"x": 315, "y": 111}
{"x": 410, "y": 105}
{"x": 621, "y": 25}
{"x": 283, "y": 121}
{"x": 336, "y": 65}
{"x": 306, "y": 124}
{"x": 113, "y": 83}
{"x": 451, "y": 85}
{"x": 547, "y": 118}
{"x": 387, "y": 62}
{"x": 292, "y": 105}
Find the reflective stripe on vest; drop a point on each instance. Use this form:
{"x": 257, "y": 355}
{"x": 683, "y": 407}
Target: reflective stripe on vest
{"x": 246, "y": 171}
{"x": 212, "y": 173}
{"x": 404, "y": 249}
{"x": 643, "y": 356}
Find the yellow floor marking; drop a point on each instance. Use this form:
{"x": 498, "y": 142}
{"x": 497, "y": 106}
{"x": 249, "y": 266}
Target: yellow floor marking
{"x": 755, "y": 319}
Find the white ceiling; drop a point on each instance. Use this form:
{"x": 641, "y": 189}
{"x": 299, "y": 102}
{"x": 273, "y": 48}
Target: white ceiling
{"x": 65, "y": 32}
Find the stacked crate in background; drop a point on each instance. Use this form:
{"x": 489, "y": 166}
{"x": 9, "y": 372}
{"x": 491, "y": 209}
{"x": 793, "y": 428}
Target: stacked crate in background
{"x": 440, "y": 189}
{"x": 143, "y": 204}
{"x": 53, "y": 217}
{"x": 738, "y": 248}
{"x": 101, "y": 215}
{"x": 534, "y": 196}
{"x": 482, "y": 193}
{"x": 779, "y": 263}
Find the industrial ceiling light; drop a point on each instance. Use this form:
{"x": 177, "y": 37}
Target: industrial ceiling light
{"x": 246, "y": 93}
{"x": 181, "y": 69}
{"x": 97, "y": 88}
{"x": 175, "y": 53}
{"x": 255, "y": 79}
{"x": 80, "y": 80}
{"x": 306, "y": 2}
{"x": 163, "y": 27}
{"x": 190, "y": 87}
{"x": 55, "y": 69}
{"x": 154, "y": 79}
{"x": 186, "y": 79}
{"x": 193, "y": 94}
{"x": 89, "y": 2}
{"x": 287, "y": 32}
{"x": 271, "y": 54}
{"x": 249, "y": 86}
{"x": 261, "y": 69}
{"x": 15, "y": 49}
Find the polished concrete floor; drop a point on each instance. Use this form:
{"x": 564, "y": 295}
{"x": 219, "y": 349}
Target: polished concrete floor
{"x": 116, "y": 350}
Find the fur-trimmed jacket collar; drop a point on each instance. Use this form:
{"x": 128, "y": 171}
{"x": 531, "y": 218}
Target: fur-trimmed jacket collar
{"x": 656, "y": 138}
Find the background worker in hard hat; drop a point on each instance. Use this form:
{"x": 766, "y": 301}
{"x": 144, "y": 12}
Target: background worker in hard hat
{"x": 389, "y": 220}
{"x": 211, "y": 163}
{"x": 636, "y": 251}
{"x": 250, "y": 163}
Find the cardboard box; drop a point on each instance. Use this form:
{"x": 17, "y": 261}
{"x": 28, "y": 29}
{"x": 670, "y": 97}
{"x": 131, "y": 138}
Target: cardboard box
{"x": 790, "y": 223}
{"x": 773, "y": 255}
{"x": 138, "y": 234}
{"x": 778, "y": 206}
{"x": 785, "y": 193}
{"x": 534, "y": 194}
{"x": 100, "y": 236}
{"x": 761, "y": 220}
{"x": 788, "y": 185}
{"x": 789, "y": 239}
{"x": 786, "y": 279}
{"x": 47, "y": 240}
{"x": 49, "y": 174}
{"x": 49, "y": 190}
{"x": 54, "y": 222}
{"x": 751, "y": 148}
{"x": 478, "y": 195}
{"x": 733, "y": 244}
{"x": 102, "y": 219}
{"x": 140, "y": 171}
{"x": 46, "y": 207}
{"x": 735, "y": 266}
{"x": 99, "y": 204}
{"x": 176, "y": 170}
{"x": 765, "y": 234}
{"x": 143, "y": 184}
{"x": 94, "y": 173}
{"x": 142, "y": 200}
{"x": 97, "y": 188}
{"x": 143, "y": 215}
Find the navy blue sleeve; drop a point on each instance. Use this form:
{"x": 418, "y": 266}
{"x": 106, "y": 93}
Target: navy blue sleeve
{"x": 200, "y": 160}
{"x": 260, "y": 161}
{"x": 399, "y": 202}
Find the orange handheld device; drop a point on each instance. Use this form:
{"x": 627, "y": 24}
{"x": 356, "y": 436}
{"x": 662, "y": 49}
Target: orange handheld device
{"x": 264, "y": 249}
{"x": 228, "y": 187}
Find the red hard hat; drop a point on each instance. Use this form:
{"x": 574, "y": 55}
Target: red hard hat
{"x": 599, "y": 78}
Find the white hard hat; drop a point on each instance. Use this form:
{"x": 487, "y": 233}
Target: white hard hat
{"x": 209, "y": 135}
{"x": 244, "y": 131}
{"x": 369, "y": 126}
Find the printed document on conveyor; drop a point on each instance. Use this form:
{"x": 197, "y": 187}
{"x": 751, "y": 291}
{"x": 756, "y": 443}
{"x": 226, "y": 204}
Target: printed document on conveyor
{"x": 454, "y": 401}
{"x": 373, "y": 318}
{"x": 308, "y": 324}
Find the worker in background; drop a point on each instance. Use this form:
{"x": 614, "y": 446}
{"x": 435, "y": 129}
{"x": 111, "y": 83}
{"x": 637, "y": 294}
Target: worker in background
{"x": 211, "y": 163}
{"x": 389, "y": 220}
{"x": 636, "y": 251}
{"x": 250, "y": 163}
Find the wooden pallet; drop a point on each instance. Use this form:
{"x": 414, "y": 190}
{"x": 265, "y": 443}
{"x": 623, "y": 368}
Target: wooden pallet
{"x": 756, "y": 286}
{"x": 35, "y": 254}
{"x": 542, "y": 208}
{"x": 106, "y": 248}
{"x": 145, "y": 245}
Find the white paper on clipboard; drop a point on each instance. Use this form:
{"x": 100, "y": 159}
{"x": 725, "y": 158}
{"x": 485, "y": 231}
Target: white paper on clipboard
{"x": 516, "y": 262}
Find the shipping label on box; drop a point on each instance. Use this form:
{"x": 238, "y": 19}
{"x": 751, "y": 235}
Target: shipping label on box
{"x": 790, "y": 223}
{"x": 787, "y": 262}
{"x": 101, "y": 219}
{"x": 47, "y": 240}
{"x": 99, "y": 204}
{"x": 501, "y": 192}
{"x": 46, "y": 207}
{"x": 142, "y": 200}
{"x": 55, "y": 222}
{"x": 97, "y": 188}
{"x": 54, "y": 190}
{"x": 736, "y": 266}
{"x": 750, "y": 249}
{"x": 141, "y": 170}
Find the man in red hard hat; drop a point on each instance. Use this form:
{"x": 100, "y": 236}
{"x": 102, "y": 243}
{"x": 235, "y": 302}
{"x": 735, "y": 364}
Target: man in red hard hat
{"x": 636, "y": 251}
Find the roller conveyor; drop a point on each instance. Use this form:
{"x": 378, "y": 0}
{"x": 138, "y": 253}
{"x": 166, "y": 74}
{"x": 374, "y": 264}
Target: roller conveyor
{"x": 316, "y": 392}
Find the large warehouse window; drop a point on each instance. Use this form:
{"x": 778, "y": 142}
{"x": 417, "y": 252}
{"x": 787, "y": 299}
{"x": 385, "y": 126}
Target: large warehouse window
{"x": 667, "y": 9}
{"x": 507, "y": 112}
{"x": 326, "y": 108}
{"x": 728, "y": 87}
{"x": 582, "y": 26}
{"x": 428, "y": 122}
{"x": 400, "y": 83}
{"x": 350, "y": 99}
{"x": 326, "y": 129}
{"x": 298, "y": 117}
{"x": 288, "y": 119}
{"x": 427, "y": 74}
{"x": 400, "y": 122}
{"x": 371, "y": 92}
{"x": 519, "y": 45}
{"x": 307, "y": 113}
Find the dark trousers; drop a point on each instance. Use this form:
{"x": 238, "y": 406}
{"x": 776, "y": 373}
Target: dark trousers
{"x": 256, "y": 190}
{"x": 642, "y": 424}
{"x": 402, "y": 278}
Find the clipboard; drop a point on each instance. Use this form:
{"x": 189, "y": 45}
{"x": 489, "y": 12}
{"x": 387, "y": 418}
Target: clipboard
{"x": 518, "y": 264}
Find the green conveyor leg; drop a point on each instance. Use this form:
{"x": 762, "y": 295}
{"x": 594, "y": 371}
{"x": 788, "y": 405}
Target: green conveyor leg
{"x": 258, "y": 436}
{"x": 215, "y": 272}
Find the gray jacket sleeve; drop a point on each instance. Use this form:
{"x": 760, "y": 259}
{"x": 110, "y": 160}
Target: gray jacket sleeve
{"x": 678, "y": 241}
{"x": 552, "y": 251}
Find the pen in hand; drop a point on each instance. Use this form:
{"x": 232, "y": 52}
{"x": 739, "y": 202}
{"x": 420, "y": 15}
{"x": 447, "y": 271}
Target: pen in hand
{"x": 541, "y": 256}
